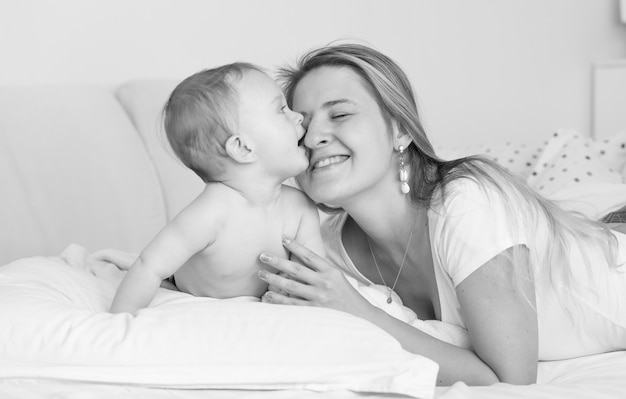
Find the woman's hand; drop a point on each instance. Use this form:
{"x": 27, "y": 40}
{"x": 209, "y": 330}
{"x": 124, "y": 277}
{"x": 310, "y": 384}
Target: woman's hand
{"x": 312, "y": 282}
{"x": 316, "y": 282}
{"x": 273, "y": 288}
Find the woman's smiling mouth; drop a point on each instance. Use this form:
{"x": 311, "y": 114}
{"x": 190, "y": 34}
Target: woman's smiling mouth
{"x": 325, "y": 162}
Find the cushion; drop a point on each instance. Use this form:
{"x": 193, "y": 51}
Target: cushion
{"x": 55, "y": 326}
{"x": 582, "y": 173}
{"x": 143, "y": 100}
{"x": 570, "y": 158}
{"x": 517, "y": 158}
{"x": 611, "y": 150}
{"x": 72, "y": 169}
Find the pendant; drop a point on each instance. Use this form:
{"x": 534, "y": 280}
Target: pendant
{"x": 389, "y": 300}
{"x": 404, "y": 187}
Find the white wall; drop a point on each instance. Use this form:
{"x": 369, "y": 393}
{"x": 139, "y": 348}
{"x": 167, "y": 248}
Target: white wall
{"x": 483, "y": 69}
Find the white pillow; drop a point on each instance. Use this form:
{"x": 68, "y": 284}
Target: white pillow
{"x": 570, "y": 159}
{"x": 55, "y": 326}
{"x": 582, "y": 173}
{"x": 517, "y": 158}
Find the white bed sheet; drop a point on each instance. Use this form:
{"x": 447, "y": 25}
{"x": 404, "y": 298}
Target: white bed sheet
{"x": 55, "y": 329}
{"x": 592, "y": 377}
{"x": 598, "y": 376}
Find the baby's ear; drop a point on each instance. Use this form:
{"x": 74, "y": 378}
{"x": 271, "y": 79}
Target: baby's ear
{"x": 240, "y": 150}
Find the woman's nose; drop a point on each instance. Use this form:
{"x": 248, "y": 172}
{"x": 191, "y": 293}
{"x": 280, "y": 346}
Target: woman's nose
{"x": 317, "y": 135}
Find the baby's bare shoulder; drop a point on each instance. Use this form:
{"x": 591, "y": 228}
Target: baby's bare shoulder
{"x": 210, "y": 205}
{"x": 296, "y": 198}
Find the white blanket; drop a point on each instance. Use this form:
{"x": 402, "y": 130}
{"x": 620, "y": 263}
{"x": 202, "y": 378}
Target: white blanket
{"x": 110, "y": 264}
{"x": 376, "y": 295}
{"x": 55, "y": 326}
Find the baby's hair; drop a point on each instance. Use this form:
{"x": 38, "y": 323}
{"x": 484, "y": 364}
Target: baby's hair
{"x": 201, "y": 114}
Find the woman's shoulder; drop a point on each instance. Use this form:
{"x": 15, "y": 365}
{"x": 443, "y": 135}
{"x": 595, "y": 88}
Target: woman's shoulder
{"x": 466, "y": 191}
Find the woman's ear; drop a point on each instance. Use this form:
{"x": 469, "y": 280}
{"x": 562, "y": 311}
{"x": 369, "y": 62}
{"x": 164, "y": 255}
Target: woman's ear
{"x": 399, "y": 138}
{"x": 240, "y": 150}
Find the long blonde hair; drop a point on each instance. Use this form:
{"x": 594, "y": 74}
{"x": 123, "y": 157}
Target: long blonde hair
{"x": 430, "y": 174}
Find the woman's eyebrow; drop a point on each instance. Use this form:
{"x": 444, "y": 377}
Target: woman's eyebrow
{"x": 329, "y": 104}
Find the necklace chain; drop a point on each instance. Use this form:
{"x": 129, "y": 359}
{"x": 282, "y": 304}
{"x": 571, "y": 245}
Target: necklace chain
{"x": 406, "y": 251}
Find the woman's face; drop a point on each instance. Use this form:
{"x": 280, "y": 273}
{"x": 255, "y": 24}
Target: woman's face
{"x": 348, "y": 140}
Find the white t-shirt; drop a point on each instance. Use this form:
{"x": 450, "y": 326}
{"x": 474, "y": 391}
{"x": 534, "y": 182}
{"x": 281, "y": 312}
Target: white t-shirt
{"x": 470, "y": 227}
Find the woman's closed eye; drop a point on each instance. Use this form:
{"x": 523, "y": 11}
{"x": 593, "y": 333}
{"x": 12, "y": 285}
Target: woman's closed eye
{"x": 340, "y": 112}
{"x": 339, "y": 115}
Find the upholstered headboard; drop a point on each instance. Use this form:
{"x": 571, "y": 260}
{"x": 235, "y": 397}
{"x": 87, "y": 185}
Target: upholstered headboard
{"x": 74, "y": 168}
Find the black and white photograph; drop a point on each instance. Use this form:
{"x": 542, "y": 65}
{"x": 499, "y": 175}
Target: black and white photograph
{"x": 334, "y": 199}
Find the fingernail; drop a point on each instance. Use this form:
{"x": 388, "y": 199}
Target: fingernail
{"x": 265, "y": 257}
{"x": 262, "y": 274}
{"x": 286, "y": 240}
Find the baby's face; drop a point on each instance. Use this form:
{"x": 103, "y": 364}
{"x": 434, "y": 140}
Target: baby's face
{"x": 267, "y": 121}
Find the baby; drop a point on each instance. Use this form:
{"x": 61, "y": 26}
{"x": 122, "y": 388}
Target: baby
{"x": 232, "y": 127}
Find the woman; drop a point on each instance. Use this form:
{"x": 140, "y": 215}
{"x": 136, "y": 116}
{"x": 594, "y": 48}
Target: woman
{"x": 460, "y": 241}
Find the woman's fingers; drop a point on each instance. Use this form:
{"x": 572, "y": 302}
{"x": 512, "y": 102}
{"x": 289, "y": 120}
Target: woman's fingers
{"x": 296, "y": 270}
{"x": 310, "y": 280}
{"x": 281, "y": 285}
{"x": 270, "y": 287}
{"x": 278, "y": 298}
{"x": 308, "y": 257}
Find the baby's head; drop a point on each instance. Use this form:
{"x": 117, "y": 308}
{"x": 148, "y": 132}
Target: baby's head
{"x": 201, "y": 114}
{"x": 234, "y": 114}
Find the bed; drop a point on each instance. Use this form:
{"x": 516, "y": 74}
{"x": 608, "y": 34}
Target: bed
{"x": 87, "y": 181}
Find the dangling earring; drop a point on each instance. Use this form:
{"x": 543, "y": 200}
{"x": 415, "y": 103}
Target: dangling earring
{"x": 404, "y": 174}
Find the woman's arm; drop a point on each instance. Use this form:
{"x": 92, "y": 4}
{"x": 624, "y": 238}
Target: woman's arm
{"x": 318, "y": 283}
{"x": 498, "y": 307}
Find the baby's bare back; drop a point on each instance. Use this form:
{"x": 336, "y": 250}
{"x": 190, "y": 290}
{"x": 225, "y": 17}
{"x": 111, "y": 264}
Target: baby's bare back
{"x": 229, "y": 265}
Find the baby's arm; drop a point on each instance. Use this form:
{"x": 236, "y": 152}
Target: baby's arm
{"x": 182, "y": 238}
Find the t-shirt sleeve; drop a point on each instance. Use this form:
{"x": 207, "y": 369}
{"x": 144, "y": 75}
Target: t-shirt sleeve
{"x": 473, "y": 226}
